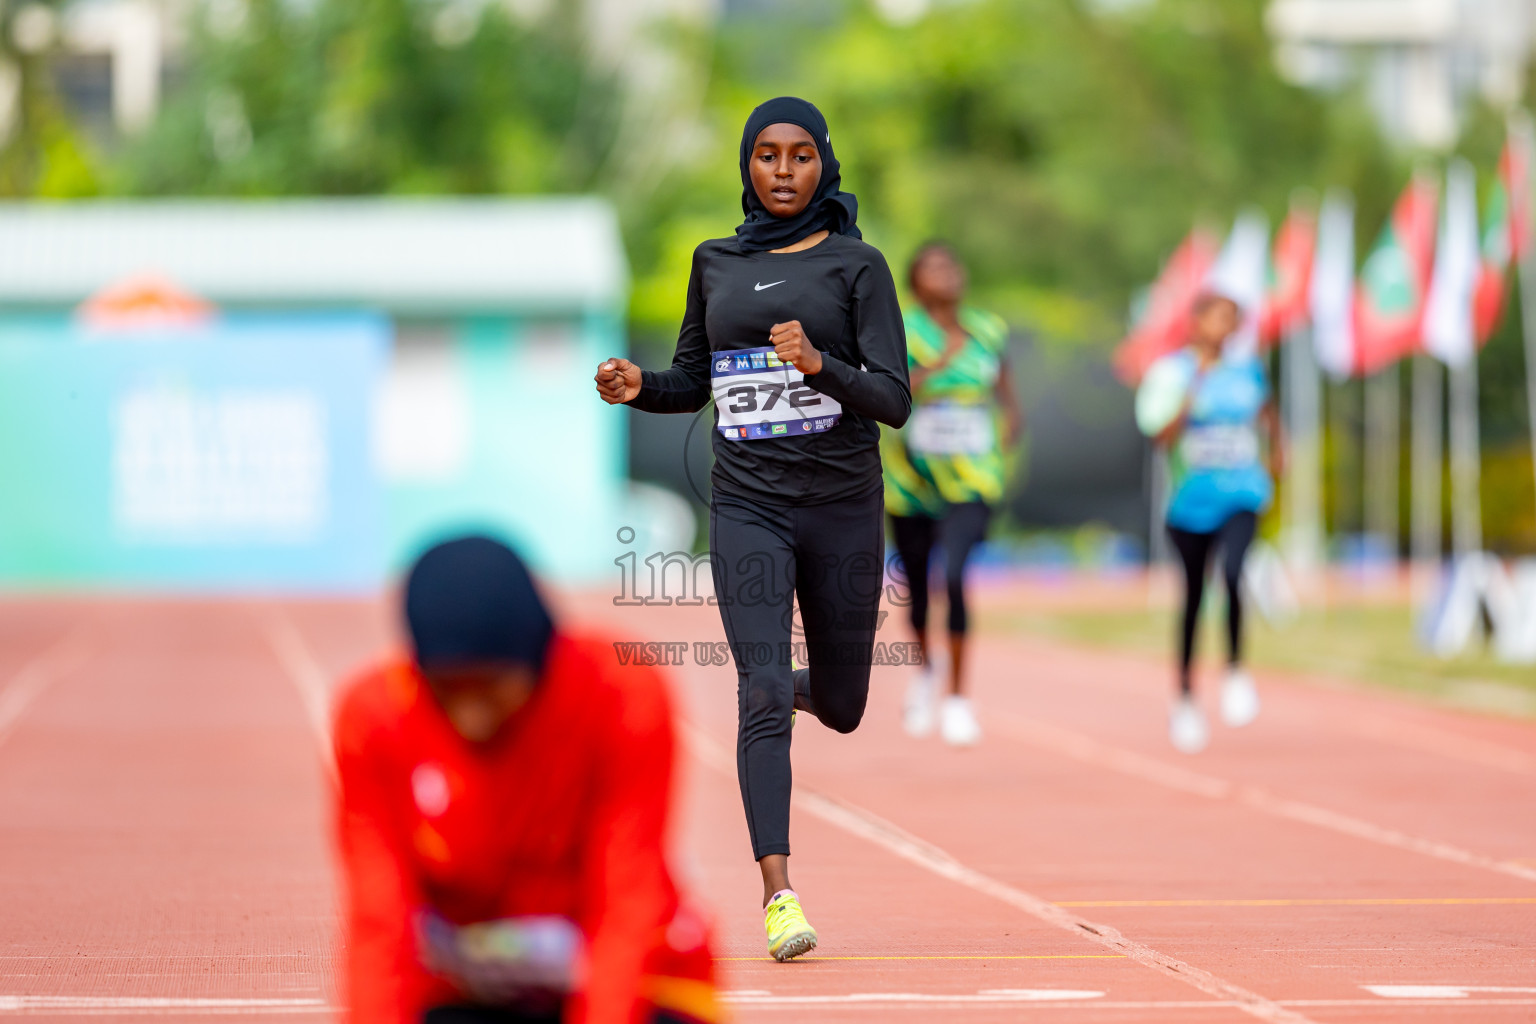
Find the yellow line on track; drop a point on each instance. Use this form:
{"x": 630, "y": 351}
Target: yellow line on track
{"x": 1410, "y": 901}
{"x": 1086, "y": 956}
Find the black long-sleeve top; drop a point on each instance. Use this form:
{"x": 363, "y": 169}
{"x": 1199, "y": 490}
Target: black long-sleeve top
{"x": 842, "y": 293}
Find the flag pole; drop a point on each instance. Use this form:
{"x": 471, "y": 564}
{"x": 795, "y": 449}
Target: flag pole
{"x": 1157, "y": 537}
{"x": 1303, "y": 488}
{"x": 1300, "y": 370}
{"x": 1519, "y": 128}
{"x": 1331, "y": 309}
{"x": 1428, "y": 417}
{"x": 1466, "y": 470}
{"x": 1383, "y": 449}
{"x": 1527, "y": 275}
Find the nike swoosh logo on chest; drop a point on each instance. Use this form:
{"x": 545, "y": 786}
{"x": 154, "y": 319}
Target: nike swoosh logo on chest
{"x": 760, "y": 286}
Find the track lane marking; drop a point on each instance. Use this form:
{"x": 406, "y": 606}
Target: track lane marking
{"x": 311, "y": 681}
{"x": 1056, "y": 739}
{"x": 1457, "y": 992}
{"x": 94, "y": 1006}
{"x": 744, "y": 999}
{"x": 765, "y": 1001}
{"x": 1410, "y": 1002}
{"x": 1407, "y": 734}
{"x": 865, "y": 824}
{"x": 1364, "y": 901}
{"x": 992, "y": 997}
{"x": 59, "y": 658}
{"x": 1430, "y": 740}
{"x": 976, "y": 957}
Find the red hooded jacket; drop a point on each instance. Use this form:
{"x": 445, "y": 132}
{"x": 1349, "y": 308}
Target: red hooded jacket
{"x": 564, "y": 813}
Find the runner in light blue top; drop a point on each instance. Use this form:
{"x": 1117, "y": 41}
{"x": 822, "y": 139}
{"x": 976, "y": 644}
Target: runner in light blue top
{"x": 1217, "y": 469}
{"x": 1210, "y": 409}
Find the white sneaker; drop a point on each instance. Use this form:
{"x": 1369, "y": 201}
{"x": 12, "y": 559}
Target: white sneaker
{"x": 1239, "y": 699}
{"x": 957, "y": 722}
{"x": 1186, "y": 726}
{"x": 917, "y": 712}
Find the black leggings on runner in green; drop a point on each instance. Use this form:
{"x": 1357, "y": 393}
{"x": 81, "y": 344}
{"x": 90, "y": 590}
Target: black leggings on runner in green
{"x": 962, "y": 528}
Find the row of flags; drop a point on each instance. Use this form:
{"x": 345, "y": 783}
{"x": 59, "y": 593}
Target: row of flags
{"x": 1430, "y": 283}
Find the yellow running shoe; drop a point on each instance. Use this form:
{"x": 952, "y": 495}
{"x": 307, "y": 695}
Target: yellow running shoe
{"x": 789, "y": 933}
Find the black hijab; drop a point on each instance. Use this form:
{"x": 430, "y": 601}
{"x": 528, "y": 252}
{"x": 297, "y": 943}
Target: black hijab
{"x": 829, "y": 208}
{"x": 472, "y": 600}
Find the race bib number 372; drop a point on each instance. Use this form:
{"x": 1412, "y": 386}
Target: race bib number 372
{"x": 759, "y": 396}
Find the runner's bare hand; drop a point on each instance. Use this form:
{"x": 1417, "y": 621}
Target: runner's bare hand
{"x": 792, "y": 346}
{"x": 618, "y": 381}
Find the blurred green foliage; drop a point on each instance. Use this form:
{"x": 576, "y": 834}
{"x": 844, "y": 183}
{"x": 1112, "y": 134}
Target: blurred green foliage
{"x": 1065, "y": 152}
{"x": 43, "y": 154}
{"x": 1064, "y": 147}
{"x": 376, "y": 96}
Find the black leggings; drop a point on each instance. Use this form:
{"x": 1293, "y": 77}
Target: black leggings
{"x": 1195, "y": 549}
{"x": 961, "y": 529}
{"x": 762, "y": 558}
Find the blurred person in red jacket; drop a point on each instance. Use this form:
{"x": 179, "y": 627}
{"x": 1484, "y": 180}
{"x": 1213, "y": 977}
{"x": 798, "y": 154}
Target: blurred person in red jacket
{"x": 504, "y": 804}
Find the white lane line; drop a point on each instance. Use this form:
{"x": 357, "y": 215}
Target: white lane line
{"x": 1446, "y": 744}
{"x": 931, "y": 1003}
{"x": 1457, "y": 992}
{"x": 1407, "y": 734}
{"x": 309, "y": 679}
{"x": 866, "y": 825}
{"x": 1410, "y": 1002}
{"x": 1345, "y": 824}
{"x": 59, "y": 658}
{"x": 1128, "y": 762}
{"x": 92, "y": 1006}
{"x": 991, "y": 997}
{"x": 1090, "y": 751}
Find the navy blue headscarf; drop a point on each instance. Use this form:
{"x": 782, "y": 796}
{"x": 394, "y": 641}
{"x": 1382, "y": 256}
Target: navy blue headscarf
{"x": 472, "y": 601}
{"x": 829, "y": 208}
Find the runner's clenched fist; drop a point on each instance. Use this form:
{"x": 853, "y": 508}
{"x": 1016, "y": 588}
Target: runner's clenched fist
{"x": 792, "y": 346}
{"x": 618, "y": 381}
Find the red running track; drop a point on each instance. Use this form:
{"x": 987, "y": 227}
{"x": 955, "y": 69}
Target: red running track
{"x": 1350, "y": 857}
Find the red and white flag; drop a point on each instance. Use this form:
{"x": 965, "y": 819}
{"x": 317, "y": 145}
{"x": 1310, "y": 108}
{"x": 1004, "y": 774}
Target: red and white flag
{"x": 1506, "y": 232}
{"x": 1394, "y": 282}
{"x": 1331, "y": 294}
{"x": 1448, "y": 329}
{"x": 1241, "y": 273}
{"x": 1165, "y": 324}
{"x": 1290, "y": 283}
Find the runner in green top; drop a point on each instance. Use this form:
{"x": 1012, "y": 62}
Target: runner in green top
{"x": 945, "y": 470}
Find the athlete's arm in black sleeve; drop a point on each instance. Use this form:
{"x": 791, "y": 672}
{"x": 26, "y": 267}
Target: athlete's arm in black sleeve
{"x": 880, "y": 390}
{"x": 685, "y": 387}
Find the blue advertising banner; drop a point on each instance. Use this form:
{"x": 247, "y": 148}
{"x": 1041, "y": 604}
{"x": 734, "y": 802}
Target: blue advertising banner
{"x": 230, "y": 455}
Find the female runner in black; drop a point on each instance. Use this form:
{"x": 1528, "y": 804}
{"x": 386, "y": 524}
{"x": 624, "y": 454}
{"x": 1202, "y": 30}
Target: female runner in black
{"x": 793, "y": 327}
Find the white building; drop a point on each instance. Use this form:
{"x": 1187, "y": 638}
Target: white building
{"x": 1422, "y": 60}
{"x": 111, "y": 50}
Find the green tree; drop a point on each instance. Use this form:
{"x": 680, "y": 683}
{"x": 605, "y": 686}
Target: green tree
{"x": 43, "y": 155}
{"x": 1064, "y": 151}
{"x": 378, "y": 96}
